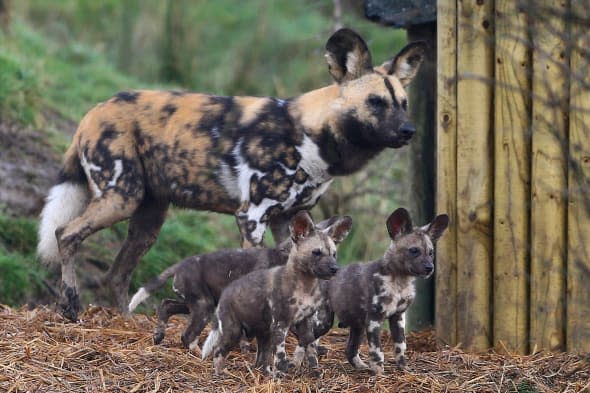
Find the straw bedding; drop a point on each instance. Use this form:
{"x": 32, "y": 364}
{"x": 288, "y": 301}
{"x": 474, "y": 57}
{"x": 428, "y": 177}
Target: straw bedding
{"x": 107, "y": 352}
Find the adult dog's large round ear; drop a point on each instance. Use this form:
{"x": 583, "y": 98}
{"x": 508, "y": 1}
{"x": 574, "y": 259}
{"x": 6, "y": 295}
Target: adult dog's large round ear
{"x": 406, "y": 63}
{"x": 301, "y": 226}
{"x": 399, "y": 223}
{"x": 347, "y": 55}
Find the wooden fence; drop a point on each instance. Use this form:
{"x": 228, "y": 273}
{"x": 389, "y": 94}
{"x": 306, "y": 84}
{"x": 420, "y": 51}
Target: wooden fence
{"x": 513, "y": 173}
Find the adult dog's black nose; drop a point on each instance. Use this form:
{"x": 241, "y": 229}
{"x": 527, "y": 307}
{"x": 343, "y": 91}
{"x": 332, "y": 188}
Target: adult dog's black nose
{"x": 407, "y": 130}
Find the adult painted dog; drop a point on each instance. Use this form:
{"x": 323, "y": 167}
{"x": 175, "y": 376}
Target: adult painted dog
{"x": 260, "y": 158}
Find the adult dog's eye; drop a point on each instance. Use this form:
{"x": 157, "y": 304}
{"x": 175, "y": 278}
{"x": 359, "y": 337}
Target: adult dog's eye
{"x": 414, "y": 251}
{"x": 317, "y": 252}
{"x": 376, "y": 101}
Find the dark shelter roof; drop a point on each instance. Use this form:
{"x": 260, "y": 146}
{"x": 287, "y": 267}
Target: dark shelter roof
{"x": 401, "y": 13}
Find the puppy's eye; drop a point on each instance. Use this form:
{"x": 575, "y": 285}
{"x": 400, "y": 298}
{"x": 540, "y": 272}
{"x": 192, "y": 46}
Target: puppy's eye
{"x": 431, "y": 252}
{"x": 334, "y": 255}
{"x": 414, "y": 251}
{"x": 317, "y": 252}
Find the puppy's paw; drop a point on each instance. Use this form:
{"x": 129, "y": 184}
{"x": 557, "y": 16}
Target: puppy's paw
{"x": 401, "y": 363}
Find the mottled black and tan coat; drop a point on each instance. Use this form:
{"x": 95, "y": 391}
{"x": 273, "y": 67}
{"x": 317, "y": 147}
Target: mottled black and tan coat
{"x": 260, "y": 158}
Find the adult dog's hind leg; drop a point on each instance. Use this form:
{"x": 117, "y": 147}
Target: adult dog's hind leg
{"x": 100, "y": 213}
{"x": 144, "y": 227}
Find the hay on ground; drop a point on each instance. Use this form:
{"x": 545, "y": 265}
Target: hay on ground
{"x": 40, "y": 352}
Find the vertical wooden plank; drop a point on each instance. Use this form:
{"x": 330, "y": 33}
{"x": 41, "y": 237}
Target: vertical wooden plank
{"x": 578, "y": 260}
{"x": 475, "y": 61}
{"x": 549, "y": 176}
{"x": 446, "y": 160}
{"x": 512, "y": 178}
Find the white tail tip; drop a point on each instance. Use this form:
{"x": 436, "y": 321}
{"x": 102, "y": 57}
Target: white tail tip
{"x": 210, "y": 343}
{"x": 138, "y": 298}
{"x": 64, "y": 203}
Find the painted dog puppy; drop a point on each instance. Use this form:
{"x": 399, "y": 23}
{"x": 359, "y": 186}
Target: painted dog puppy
{"x": 363, "y": 295}
{"x": 265, "y": 303}
{"x": 259, "y": 158}
{"x": 200, "y": 279}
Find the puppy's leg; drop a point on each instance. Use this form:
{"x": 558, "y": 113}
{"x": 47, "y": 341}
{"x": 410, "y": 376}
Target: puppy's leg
{"x": 374, "y": 341}
{"x": 263, "y": 352}
{"x": 230, "y": 336}
{"x": 352, "y": 348}
{"x": 397, "y": 325}
{"x": 201, "y": 311}
{"x": 167, "y": 308}
{"x": 305, "y": 337}
{"x": 278, "y": 336}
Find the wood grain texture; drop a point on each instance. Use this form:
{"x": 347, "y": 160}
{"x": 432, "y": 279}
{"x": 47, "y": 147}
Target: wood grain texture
{"x": 548, "y": 181}
{"x": 578, "y": 248}
{"x": 511, "y": 179}
{"x": 475, "y": 68}
{"x": 446, "y": 179}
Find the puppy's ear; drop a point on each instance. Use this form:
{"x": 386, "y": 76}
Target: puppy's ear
{"x": 406, "y": 63}
{"x": 348, "y": 56}
{"x": 325, "y": 224}
{"x": 301, "y": 226}
{"x": 339, "y": 229}
{"x": 399, "y": 223}
{"x": 437, "y": 227}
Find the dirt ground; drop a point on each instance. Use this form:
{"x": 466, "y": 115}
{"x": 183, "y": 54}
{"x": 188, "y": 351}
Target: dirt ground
{"x": 28, "y": 167}
{"x": 106, "y": 352}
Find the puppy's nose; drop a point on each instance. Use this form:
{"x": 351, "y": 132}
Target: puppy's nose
{"x": 429, "y": 268}
{"x": 333, "y": 269}
{"x": 407, "y": 130}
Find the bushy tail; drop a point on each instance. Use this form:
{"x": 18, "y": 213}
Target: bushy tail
{"x": 212, "y": 340}
{"x": 66, "y": 201}
{"x": 145, "y": 292}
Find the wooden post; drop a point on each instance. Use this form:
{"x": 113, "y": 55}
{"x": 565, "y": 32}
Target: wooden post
{"x": 549, "y": 179}
{"x": 511, "y": 179}
{"x": 578, "y": 251}
{"x": 446, "y": 175}
{"x": 422, "y": 97}
{"x": 475, "y": 61}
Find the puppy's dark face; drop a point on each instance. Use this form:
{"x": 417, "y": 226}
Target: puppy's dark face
{"x": 412, "y": 254}
{"x": 412, "y": 249}
{"x": 314, "y": 248}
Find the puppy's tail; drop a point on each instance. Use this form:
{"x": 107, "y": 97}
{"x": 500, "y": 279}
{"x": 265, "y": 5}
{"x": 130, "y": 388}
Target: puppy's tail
{"x": 213, "y": 338}
{"x": 145, "y": 292}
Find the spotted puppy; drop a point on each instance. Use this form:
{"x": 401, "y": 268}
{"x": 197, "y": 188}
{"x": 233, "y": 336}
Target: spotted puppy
{"x": 200, "y": 279}
{"x": 363, "y": 295}
{"x": 265, "y": 303}
{"x": 259, "y": 158}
